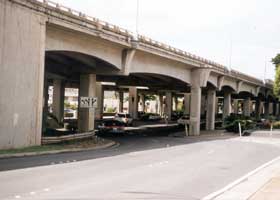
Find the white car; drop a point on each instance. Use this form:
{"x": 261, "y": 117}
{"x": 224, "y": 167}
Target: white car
{"x": 125, "y": 118}
{"x": 183, "y": 120}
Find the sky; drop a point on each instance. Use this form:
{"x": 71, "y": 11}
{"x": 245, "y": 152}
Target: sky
{"x": 241, "y": 34}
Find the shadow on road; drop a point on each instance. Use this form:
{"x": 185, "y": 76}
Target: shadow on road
{"x": 128, "y": 143}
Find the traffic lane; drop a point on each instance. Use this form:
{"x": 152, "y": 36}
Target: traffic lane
{"x": 189, "y": 171}
{"x": 127, "y": 143}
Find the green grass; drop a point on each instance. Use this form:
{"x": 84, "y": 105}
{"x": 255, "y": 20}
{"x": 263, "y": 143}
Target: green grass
{"x": 32, "y": 149}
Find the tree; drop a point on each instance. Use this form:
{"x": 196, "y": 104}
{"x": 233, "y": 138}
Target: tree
{"x": 276, "y": 86}
{"x": 276, "y": 60}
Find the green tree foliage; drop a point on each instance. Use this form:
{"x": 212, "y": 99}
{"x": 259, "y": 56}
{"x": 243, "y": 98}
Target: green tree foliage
{"x": 276, "y": 87}
{"x": 276, "y": 60}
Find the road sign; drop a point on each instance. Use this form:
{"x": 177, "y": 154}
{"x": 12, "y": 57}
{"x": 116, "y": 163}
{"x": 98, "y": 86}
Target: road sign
{"x": 88, "y": 102}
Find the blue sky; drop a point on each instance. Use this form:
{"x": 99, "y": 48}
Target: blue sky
{"x": 205, "y": 28}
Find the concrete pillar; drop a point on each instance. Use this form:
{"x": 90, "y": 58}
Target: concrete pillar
{"x": 168, "y": 105}
{"x": 161, "y": 105}
{"x": 100, "y": 101}
{"x": 133, "y": 102}
{"x": 217, "y": 105}
{"x": 210, "y": 113}
{"x": 247, "y": 107}
{"x": 235, "y": 106}
{"x": 86, "y": 115}
{"x": 227, "y": 105}
{"x": 277, "y": 109}
{"x": 203, "y": 104}
{"x": 195, "y": 110}
{"x": 176, "y": 102}
{"x": 266, "y": 109}
{"x": 258, "y": 108}
{"x": 142, "y": 100}
{"x": 271, "y": 108}
{"x": 187, "y": 103}
{"x": 58, "y": 99}
{"x": 120, "y": 101}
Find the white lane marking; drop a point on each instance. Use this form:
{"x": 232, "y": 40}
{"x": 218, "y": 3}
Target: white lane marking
{"x": 17, "y": 196}
{"x": 159, "y": 163}
{"x": 238, "y": 181}
{"x": 46, "y": 189}
{"x": 74, "y": 160}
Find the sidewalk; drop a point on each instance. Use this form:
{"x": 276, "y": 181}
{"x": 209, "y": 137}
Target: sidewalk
{"x": 270, "y": 191}
{"x": 261, "y": 184}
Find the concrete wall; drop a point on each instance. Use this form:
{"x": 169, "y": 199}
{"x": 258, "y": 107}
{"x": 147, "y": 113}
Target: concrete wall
{"x": 22, "y": 39}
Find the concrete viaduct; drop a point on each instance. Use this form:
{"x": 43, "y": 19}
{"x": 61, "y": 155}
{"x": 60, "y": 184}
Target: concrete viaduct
{"x": 43, "y": 43}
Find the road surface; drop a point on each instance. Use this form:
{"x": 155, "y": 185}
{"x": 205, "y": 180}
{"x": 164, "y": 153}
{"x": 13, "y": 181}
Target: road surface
{"x": 141, "y": 167}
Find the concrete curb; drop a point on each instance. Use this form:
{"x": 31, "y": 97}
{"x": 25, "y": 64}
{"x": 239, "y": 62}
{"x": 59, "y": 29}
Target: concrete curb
{"x": 18, "y": 155}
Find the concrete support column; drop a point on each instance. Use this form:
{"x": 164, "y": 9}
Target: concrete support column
{"x": 270, "y": 108}
{"x": 258, "y": 108}
{"x": 176, "y": 102}
{"x": 168, "y": 105}
{"x": 195, "y": 110}
{"x": 203, "y": 104}
{"x": 120, "y": 101}
{"x": 142, "y": 100}
{"x": 227, "y": 105}
{"x": 235, "y": 106}
{"x": 210, "y": 114}
{"x": 100, "y": 101}
{"x": 187, "y": 103}
{"x": 217, "y": 105}
{"x": 133, "y": 102}
{"x": 266, "y": 109}
{"x": 277, "y": 109}
{"x": 247, "y": 107}
{"x": 161, "y": 105}
{"x": 58, "y": 99}
{"x": 86, "y": 115}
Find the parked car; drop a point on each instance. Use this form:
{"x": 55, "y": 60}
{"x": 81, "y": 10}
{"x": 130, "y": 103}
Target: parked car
{"x": 183, "y": 120}
{"x": 111, "y": 126}
{"x": 124, "y": 118}
{"x": 150, "y": 117}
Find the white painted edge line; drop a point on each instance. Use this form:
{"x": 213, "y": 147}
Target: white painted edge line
{"x": 238, "y": 181}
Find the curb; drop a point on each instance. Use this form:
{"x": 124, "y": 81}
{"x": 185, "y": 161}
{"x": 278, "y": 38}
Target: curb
{"x": 29, "y": 154}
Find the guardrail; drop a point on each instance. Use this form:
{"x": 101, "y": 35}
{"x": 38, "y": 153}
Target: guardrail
{"x": 59, "y": 139}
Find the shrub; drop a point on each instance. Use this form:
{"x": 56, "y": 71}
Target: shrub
{"x": 231, "y": 123}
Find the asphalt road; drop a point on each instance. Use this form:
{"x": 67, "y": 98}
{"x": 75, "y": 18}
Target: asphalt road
{"x": 140, "y": 168}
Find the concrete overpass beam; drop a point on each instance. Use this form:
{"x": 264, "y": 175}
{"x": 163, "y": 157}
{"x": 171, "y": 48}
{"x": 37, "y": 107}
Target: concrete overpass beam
{"x": 86, "y": 115}
{"x": 58, "y": 99}
{"x": 210, "y": 114}
{"x": 133, "y": 102}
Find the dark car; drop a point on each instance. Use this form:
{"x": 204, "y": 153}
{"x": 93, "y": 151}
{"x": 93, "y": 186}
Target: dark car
{"x": 111, "y": 126}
